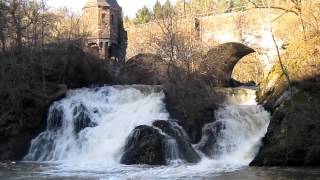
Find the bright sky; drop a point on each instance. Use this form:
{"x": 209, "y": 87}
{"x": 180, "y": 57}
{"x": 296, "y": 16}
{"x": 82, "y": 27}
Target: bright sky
{"x": 130, "y": 7}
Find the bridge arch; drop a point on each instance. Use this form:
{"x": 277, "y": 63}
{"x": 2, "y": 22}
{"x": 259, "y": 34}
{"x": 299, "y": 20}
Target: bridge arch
{"x": 249, "y": 69}
{"x": 222, "y": 62}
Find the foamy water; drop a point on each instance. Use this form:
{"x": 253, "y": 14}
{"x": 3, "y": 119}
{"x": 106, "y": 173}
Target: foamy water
{"x": 115, "y": 111}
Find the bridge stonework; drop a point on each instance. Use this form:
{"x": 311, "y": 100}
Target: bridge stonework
{"x": 249, "y": 27}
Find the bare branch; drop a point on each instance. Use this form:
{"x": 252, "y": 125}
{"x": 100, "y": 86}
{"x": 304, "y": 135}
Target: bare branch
{"x": 274, "y": 7}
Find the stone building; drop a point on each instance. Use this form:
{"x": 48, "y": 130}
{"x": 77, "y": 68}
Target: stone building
{"x": 103, "y": 21}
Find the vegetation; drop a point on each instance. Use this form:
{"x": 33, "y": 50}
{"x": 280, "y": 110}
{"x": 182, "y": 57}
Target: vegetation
{"x": 186, "y": 8}
{"x": 41, "y": 55}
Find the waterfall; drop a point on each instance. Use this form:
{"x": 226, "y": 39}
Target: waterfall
{"x": 91, "y": 125}
{"x": 236, "y": 134}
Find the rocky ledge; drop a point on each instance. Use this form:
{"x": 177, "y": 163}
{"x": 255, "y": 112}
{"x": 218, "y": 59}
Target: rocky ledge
{"x": 293, "y": 137}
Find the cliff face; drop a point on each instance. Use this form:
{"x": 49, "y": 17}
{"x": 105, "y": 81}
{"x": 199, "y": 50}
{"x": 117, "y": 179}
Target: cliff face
{"x": 293, "y": 135}
{"x": 294, "y": 131}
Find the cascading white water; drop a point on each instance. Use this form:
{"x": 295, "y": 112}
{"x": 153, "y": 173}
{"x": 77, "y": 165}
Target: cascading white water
{"x": 240, "y": 124}
{"x": 93, "y": 124}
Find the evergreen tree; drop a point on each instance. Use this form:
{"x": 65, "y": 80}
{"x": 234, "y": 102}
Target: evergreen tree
{"x": 168, "y": 9}
{"x": 143, "y": 15}
{"x": 157, "y": 10}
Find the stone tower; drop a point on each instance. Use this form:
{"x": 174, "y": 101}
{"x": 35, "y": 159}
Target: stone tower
{"x": 103, "y": 21}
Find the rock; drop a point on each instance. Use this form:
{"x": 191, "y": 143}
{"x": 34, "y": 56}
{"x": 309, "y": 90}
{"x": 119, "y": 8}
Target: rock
{"x": 82, "y": 119}
{"x": 294, "y": 131}
{"x": 46, "y": 143}
{"x": 151, "y": 145}
{"x": 147, "y": 69}
{"x": 144, "y": 146}
{"x": 208, "y": 143}
{"x": 18, "y": 126}
{"x": 220, "y": 61}
{"x": 55, "y": 120}
{"x": 186, "y": 151}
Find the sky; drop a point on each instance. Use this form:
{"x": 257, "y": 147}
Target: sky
{"x": 130, "y": 7}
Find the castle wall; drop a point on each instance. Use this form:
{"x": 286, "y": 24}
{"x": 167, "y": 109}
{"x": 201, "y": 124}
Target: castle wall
{"x": 90, "y": 21}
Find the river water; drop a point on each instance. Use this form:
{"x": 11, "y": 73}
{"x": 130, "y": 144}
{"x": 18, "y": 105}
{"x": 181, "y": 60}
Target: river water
{"x": 86, "y": 133}
{"x": 44, "y": 171}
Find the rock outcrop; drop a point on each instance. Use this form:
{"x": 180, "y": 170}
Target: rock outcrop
{"x": 152, "y": 145}
{"x": 294, "y": 131}
{"x": 19, "y": 125}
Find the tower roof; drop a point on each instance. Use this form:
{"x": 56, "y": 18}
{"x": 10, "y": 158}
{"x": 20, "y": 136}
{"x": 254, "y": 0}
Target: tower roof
{"x": 103, "y": 3}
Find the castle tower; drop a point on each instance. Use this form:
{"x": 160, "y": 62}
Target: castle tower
{"x": 103, "y": 21}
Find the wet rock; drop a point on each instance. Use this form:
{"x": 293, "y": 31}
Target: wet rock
{"x": 211, "y": 132}
{"x": 144, "y": 146}
{"x": 55, "y": 120}
{"x": 82, "y": 119}
{"x": 186, "y": 151}
{"x": 159, "y": 144}
{"x": 46, "y": 143}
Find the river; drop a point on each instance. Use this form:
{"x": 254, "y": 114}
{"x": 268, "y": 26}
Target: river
{"x": 86, "y": 133}
{"x": 44, "y": 171}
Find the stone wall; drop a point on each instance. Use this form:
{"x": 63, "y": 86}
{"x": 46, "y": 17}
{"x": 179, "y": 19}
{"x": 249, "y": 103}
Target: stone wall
{"x": 102, "y": 23}
{"x": 90, "y": 21}
{"x": 250, "y": 27}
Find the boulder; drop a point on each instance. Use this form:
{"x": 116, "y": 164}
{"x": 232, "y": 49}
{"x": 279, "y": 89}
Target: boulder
{"x": 208, "y": 143}
{"x": 159, "y": 144}
{"x": 186, "y": 151}
{"x": 144, "y": 146}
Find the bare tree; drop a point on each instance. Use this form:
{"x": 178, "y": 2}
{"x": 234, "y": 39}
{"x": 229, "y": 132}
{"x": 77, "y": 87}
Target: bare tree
{"x": 295, "y": 7}
{"x": 3, "y": 24}
{"x": 178, "y": 48}
{"x": 22, "y": 14}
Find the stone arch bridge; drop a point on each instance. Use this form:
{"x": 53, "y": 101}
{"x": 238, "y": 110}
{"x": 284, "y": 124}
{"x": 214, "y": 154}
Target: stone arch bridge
{"x": 250, "y": 27}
